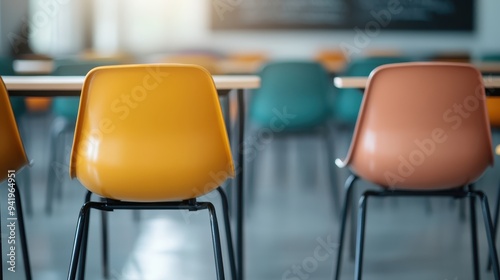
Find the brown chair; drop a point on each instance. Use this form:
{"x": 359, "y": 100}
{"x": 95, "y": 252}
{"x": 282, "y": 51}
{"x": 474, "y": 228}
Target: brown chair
{"x": 422, "y": 130}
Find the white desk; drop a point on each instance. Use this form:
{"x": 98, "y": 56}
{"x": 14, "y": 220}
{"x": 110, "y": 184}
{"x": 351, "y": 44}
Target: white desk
{"x": 53, "y": 86}
{"x": 490, "y": 82}
{"x": 49, "y": 86}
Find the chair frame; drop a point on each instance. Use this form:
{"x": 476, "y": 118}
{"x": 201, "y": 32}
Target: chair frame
{"x": 22, "y": 234}
{"x": 79, "y": 254}
{"x": 460, "y": 192}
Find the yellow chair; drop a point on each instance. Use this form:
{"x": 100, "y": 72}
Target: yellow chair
{"x": 142, "y": 143}
{"x": 333, "y": 60}
{"x": 12, "y": 160}
{"x": 493, "y": 105}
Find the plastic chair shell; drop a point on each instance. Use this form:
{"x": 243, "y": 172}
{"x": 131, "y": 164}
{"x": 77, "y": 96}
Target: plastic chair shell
{"x": 13, "y": 156}
{"x": 149, "y": 133}
{"x": 422, "y": 126}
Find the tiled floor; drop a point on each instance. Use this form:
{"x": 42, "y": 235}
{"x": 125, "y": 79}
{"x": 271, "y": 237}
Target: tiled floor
{"x": 288, "y": 221}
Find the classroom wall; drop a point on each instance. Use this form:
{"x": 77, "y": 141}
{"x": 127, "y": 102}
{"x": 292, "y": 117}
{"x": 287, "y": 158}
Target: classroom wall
{"x": 13, "y": 22}
{"x": 485, "y": 38}
{"x": 156, "y": 26}
{"x": 193, "y": 16}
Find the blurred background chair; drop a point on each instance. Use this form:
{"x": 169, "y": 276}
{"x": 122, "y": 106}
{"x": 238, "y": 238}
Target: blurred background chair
{"x": 37, "y": 65}
{"x": 12, "y": 160}
{"x": 450, "y": 56}
{"x": 442, "y": 156}
{"x": 491, "y": 57}
{"x": 293, "y": 98}
{"x": 207, "y": 61}
{"x": 242, "y": 63}
{"x": 161, "y": 155}
{"x": 489, "y": 64}
{"x": 64, "y": 111}
{"x": 332, "y": 59}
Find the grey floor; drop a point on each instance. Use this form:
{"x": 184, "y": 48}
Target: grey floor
{"x": 290, "y": 216}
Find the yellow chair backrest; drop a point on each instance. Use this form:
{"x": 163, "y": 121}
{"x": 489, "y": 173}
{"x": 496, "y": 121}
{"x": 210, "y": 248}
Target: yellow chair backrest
{"x": 493, "y": 105}
{"x": 12, "y": 154}
{"x": 150, "y": 133}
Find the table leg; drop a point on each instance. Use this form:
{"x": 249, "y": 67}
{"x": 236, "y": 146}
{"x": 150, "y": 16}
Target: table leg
{"x": 239, "y": 185}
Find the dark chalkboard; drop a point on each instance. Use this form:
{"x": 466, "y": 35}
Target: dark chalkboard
{"x": 429, "y": 15}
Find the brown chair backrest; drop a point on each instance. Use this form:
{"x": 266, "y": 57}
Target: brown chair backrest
{"x": 422, "y": 125}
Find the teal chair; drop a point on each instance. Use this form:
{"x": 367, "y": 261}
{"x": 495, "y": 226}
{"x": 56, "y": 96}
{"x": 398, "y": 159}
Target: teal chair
{"x": 490, "y": 57}
{"x": 300, "y": 87}
{"x": 64, "y": 110}
{"x": 348, "y": 101}
{"x": 293, "y": 97}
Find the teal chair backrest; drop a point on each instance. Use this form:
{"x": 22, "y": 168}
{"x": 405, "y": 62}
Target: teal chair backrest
{"x": 7, "y": 69}
{"x": 67, "y": 107}
{"x": 348, "y": 101}
{"x": 292, "y": 96}
{"x": 493, "y": 57}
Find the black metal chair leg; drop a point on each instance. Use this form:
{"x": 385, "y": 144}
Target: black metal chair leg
{"x": 489, "y": 233}
{"x": 360, "y": 242}
{"x": 239, "y": 190}
{"x": 354, "y": 216}
{"x": 227, "y": 225}
{"x": 497, "y": 209}
{"x": 22, "y": 233}
{"x": 495, "y": 223}
{"x": 80, "y": 227}
{"x": 347, "y": 201}
{"x": 219, "y": 265}
{"x": 105, "y": 254}
{"x": 85, "y": 236}
{"x": 473, "y": 228}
